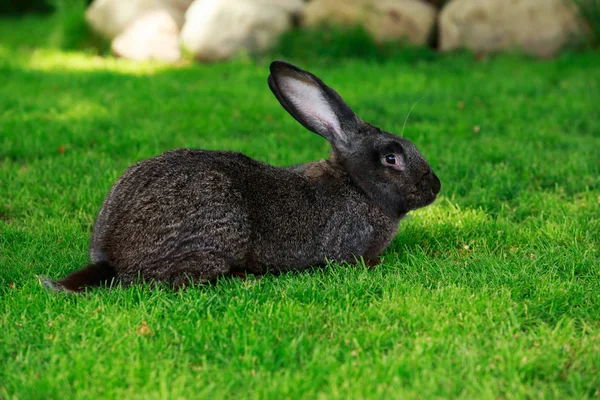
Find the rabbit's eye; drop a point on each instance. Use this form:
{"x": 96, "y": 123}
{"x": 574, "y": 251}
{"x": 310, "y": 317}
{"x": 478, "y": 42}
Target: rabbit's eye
{"x": 391, "y": 159}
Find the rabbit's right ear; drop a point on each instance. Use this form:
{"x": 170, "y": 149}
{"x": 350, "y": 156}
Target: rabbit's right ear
{"x": 312, "y": 103}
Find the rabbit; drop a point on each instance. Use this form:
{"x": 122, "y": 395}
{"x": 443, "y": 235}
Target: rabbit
{"x": 192, "y": 216}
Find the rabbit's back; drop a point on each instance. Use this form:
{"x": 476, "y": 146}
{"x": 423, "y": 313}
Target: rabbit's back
{"x": 180, "y": 202}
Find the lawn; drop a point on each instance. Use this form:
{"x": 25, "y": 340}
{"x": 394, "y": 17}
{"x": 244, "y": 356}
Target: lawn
{"x": 492, "y": 292}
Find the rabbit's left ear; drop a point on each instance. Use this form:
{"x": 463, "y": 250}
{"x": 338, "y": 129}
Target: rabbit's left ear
{"x": 312, "y": 103}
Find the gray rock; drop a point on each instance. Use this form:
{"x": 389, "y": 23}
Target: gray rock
{"x": 218, "y": 29}
{"x": 152, "y": 36}
{"x": 112, "y": 17}
{"x": 537, "y": 27}
{"x": 385, "y": 20}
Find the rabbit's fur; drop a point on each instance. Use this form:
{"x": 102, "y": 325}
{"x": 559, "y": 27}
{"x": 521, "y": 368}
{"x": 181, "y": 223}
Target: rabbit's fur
{"x": 197, "y": 215}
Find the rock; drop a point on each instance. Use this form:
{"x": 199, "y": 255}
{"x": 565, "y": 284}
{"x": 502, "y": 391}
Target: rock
{"x": 177, "y": 9}
{"x": 218, "y": 29}
{"x": 111, "y": 17}
{"x": 385, "y": 20}
{"x": 537, "y": 27}
{"x": 152, "y": 36}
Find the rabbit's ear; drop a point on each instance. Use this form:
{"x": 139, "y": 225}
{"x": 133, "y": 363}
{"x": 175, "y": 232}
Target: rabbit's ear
{"x": 312, "y": 103}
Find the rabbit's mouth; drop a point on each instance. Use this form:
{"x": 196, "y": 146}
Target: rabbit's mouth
{"x": 420, "y": 200}
{"x": 426, "y": 191}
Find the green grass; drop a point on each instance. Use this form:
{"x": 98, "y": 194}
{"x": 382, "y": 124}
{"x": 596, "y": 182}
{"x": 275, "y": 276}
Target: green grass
{"x": 492, "y": 292}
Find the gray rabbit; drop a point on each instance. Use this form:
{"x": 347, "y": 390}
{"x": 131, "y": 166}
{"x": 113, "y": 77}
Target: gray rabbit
{"x": 196, "y": 215}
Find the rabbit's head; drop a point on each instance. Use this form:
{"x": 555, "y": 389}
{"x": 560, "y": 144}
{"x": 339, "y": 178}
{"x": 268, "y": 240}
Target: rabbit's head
{"x": 388, "y": 168}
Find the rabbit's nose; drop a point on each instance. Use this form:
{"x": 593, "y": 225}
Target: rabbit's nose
{"x": 436, "y": 185}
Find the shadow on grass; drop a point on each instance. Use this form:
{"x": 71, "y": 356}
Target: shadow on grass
{"x": 546, "y": 275}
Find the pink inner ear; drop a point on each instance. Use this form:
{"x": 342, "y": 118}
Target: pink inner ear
{"x": 310, "y": 103}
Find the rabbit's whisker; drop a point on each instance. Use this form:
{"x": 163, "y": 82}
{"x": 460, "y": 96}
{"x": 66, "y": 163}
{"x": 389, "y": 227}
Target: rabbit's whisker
{"x": 408, "y": 115}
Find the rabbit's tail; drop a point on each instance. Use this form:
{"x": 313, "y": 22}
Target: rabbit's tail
{"x": 97, "y": 274}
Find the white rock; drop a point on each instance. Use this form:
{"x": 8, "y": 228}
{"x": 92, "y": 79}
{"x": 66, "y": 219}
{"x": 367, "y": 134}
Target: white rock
{"x": 217, "y": 29}
{"x": 153, "y": 36}
{"x": 385, "y": 20}
{"x": 537, "y": 27}
{"x": 111, "y": 17}
{"x": 177, "y": 9}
